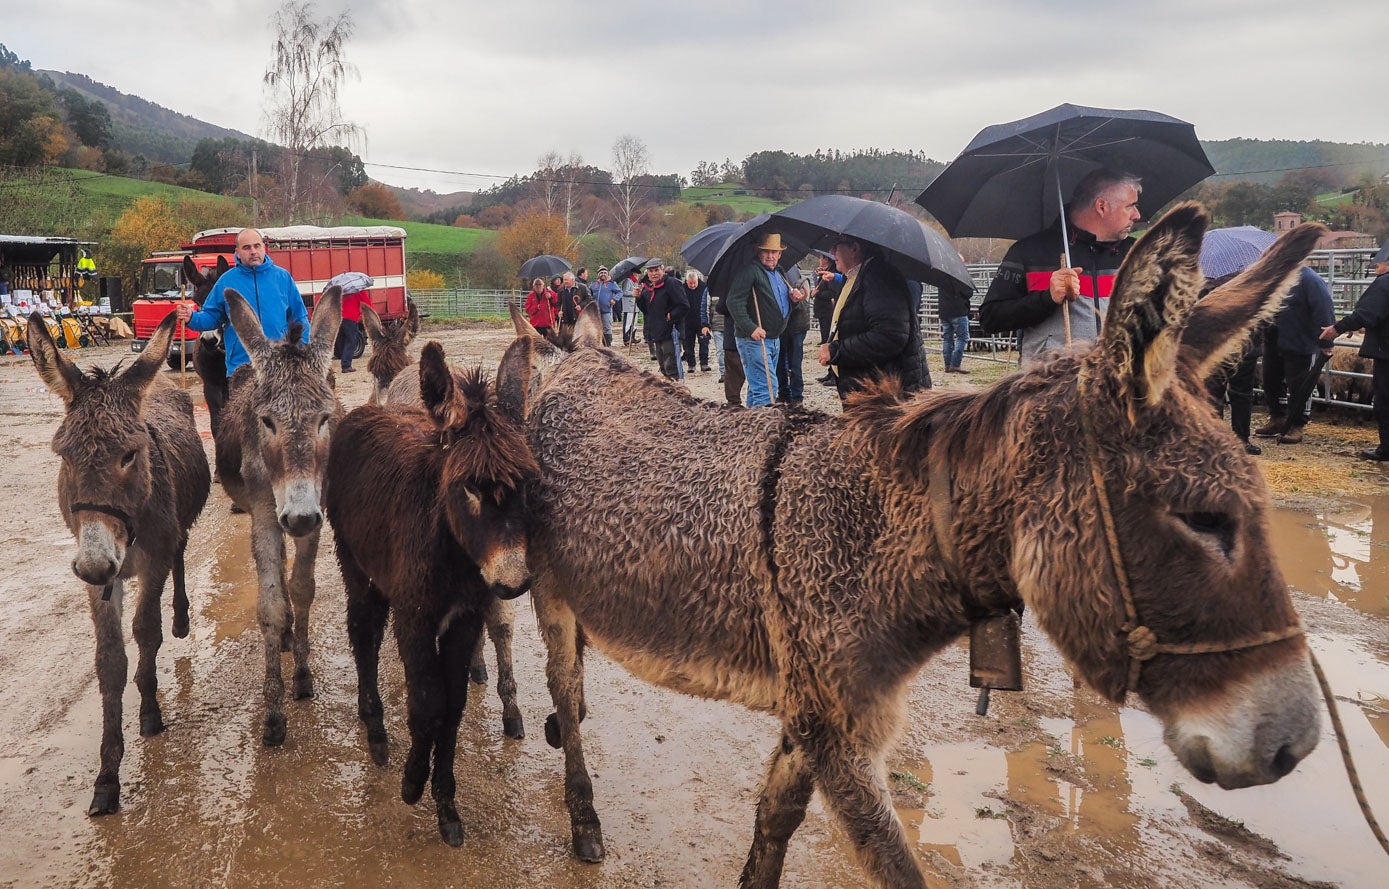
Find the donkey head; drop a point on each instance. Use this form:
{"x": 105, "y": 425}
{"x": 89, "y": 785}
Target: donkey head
{"x": 487, "y": 463}
{"x": 1174, "y": 551}
{"x": 292, "y": 406}
{"x": 105, "y": 477}
{"x": 523, "y": 364}
{"x": 388, "y": 355}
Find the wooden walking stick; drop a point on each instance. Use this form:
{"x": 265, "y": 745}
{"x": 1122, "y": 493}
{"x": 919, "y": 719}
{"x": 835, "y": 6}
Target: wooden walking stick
{"x": 182, "y": 344}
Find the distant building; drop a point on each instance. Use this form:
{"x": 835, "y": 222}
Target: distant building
{"x": 1286, "y": 221}
{"x": 1346, "y": 241}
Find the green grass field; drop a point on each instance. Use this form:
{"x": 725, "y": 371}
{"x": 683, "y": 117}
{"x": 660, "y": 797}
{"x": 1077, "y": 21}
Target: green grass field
{"x": 724, "y": 194}
{"x": 425, "y": 237}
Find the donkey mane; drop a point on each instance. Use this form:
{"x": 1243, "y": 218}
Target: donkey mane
{"x": 498, "y": 449}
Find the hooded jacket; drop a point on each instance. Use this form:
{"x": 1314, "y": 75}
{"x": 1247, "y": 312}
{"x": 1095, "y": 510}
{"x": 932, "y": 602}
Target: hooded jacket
{"x": 271, "y": 292}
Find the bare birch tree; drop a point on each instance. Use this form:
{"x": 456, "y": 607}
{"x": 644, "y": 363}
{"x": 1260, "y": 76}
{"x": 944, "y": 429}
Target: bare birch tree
{"x": 630, "y": 161}
{"x": 302, "y": 85}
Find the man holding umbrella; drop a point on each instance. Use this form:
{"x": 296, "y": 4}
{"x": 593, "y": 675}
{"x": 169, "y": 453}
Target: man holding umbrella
{"x": 1372, "y": 314}
{"x": 759, "y": 301}
{"x": 1032, "y": 295}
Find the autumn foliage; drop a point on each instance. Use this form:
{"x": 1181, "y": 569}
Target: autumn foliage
{"x": 532, "y": 234}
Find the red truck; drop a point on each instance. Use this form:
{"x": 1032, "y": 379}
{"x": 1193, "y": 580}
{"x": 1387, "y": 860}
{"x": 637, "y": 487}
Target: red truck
{"x": 311, "y": 254}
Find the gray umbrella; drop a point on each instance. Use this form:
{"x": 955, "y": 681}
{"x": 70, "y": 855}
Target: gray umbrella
{"x": 919, "y": 253}
{"x": 703, "y": 247}
{"x": 1229, "y": 251}
{"x": 625, "y": 267}
{"x": 544, "y": 266}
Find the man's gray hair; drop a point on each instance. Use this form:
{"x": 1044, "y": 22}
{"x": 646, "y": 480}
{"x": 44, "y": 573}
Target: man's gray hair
{"x": 1097, "y": 182}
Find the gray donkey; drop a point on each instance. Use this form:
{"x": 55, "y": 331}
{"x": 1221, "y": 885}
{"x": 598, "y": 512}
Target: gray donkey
{"x": 133, "y": 480}
{"x": 271, "y": 456}
{"x": 388, "y": 355}
{"x": 816, "y": 565}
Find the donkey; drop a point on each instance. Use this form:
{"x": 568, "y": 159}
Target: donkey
{"x": 446, "y": 478}
{"x": 388, "y": 355}
{"x": 209, "y": 355}
{"x": 271, "y": 458}
{"x": 132, "y": 482}
{"x": 500, "y": 615}
{"x": 814, "y": 568}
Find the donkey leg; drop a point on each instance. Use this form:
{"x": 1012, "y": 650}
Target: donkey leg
{"x": 552, "y": 732}
{"x": 180, "y": 625}
{"x": 501, "y": 617}
{"x": 847, "y": 774}
{"x": 301, "y": 593}
{"x": 785, "y": 794}
{"x": 148, "y": 637}
{"x": 424, "y": 696}
{"x": 268, "y": 547}
{"x": 111, "y": 666}
{"x": 367, "y": 610}
{"x": 455, "y": 653}
{"x": 560, "y": 632}
{"x": 477, "y": 670}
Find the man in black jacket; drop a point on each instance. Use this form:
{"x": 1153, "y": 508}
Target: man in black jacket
{"x": 1029, "y": 293}
{"x": 1372, "y": 314}
{"x": 662, "y": 301}
{"x": 1289, "y": 344}
{"x": 875, "y": 326}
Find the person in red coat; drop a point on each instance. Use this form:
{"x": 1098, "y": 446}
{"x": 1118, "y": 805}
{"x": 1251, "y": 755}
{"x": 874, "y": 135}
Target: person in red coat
{"x": 354, "y": 292}
{"x": 542, "y": 308}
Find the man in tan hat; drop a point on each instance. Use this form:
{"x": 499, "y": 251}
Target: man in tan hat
{"x": 759, "y": 300}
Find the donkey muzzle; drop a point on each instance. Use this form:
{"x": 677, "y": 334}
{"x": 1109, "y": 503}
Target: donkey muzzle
{"x": 298, "y": 509}
{"x": 506, "y": 573}
{"x": 99, "y": 554}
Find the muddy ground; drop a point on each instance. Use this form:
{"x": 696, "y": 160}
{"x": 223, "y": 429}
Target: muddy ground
{"x": 1053, "y": 789}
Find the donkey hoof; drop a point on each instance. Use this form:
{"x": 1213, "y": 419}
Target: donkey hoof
{"x": 303, "y": 685}
{"x": 411, "y": 791}
{"x": 379, "y": 750}
{"x": 513, "y": 727}
{"x": 151, "y": 724}
{"x": 450, "y": 826}
{"x": 180, "y": 627}
{"x": 106, "y": 801}
{"x": 478, "y": 674}
{"x": 552, "y": 735}
{"x": 588, "y": 844}
{"x": 274, "y": 734}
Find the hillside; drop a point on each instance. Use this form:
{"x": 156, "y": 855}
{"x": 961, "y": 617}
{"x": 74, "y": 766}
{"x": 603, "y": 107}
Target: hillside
{"x": 418, "y": 203}
{"x": 139, "y": 126}
{"x": 1268, "y": 161}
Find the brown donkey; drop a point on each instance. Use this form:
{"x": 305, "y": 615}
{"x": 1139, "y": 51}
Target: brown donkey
{"x": 209, "y": 355}
{"x": 814, "y": 567}
{"x": 388, "y": 355}
{"x": 133, "y": 480}
{"x": 500, "y": 616}
{"x": 445, "y": 478}
{"x": 271, "y": 458}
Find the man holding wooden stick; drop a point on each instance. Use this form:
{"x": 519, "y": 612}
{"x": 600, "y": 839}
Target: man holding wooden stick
{"x": 759, "y": 301}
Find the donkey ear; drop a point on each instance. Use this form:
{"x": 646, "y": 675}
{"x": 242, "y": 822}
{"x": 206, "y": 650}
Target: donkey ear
{"x": 191, "y": 273}
{"x": 323, "y": 330}
{"x": 514, "y": 376}
{"x": 588, "y": 333}
{"x": 375, "y": 332}
{"x": 1221, "y": 322}
{"x": 436, "y": 384}
{"x": 521, "y": 322}
{"x": 412, "y": 321}
{"x": 60, "y": 375}
{"x": 222, "y": 265}
{"x": 1155, "y": 291}
{"x": 151, "y": 361}
{"x": 247, "y": 326}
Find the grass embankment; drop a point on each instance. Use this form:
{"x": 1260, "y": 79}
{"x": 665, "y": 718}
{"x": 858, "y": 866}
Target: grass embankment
{"x": 727, "y": 194}
{"x": 427, "y": 237}
{"x": 113, "y": 194}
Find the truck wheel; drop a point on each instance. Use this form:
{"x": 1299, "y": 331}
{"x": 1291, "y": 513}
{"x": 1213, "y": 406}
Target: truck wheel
{"x": 361, "y": 348}
{"x": 173, "y": 361}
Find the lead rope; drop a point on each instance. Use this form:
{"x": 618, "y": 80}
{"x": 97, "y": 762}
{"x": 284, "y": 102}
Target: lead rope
{"x": 1143, "y": 645}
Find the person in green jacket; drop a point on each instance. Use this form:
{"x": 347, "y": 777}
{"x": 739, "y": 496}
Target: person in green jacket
{"x": 759, "y": 301}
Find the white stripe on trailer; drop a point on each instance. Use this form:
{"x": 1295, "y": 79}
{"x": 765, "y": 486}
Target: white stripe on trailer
{"x": 383, "y": 282}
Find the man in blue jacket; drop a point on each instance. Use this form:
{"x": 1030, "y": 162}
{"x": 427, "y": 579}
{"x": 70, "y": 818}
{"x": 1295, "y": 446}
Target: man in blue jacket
{"x": 269, "y": 289}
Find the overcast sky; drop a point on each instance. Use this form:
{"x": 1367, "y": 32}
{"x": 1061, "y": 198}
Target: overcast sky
{"x": 483, "y": 89}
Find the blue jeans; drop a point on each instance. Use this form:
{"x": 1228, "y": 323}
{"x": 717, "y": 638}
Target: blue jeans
{"x": 718, "y": 347}
{"x": 750, "y": 350}
{"x": 954, "y": 334}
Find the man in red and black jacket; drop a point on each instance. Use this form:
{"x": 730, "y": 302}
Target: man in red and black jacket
{"x": 1029, "y": 290}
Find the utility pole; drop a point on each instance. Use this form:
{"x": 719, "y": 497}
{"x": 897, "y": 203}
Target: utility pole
{"x": 255, "y": 201}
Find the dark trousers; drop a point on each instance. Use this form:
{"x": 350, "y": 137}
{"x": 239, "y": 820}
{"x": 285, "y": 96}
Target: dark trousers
{"x": 345, "y": 346}
{"x": 734, "y": 378}
{"x": 1284, "y": 374}
{"x": 664, "y": 350}
{"x": 704, "y": 339}
{"x": 789, "y": 365}
{"x": 823, "y": 323}
{"x": 1381, "y": 403}
{"x": 1236, "y": 384}
{"x": 689, "y": 335}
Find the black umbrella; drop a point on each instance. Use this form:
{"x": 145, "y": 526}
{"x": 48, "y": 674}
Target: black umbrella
{"x": 703, "y": 248}
{"x": 1009, "y": 181}
{"x": 627, "y": 266}
{"x": 918, "y": 252}
{"x": 737, "y": 251}
{"x": 544, "y": 266}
